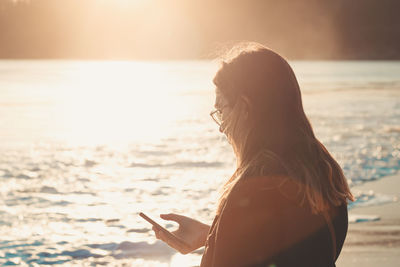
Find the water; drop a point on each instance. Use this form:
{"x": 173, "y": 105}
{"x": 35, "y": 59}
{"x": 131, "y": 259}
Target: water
{"x": 87, "y": 145}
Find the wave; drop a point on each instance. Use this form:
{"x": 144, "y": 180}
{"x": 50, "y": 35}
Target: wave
{"x": 356, "y": 218}
{"x": 365, "y": 199}
{"x": 48, "y": 190}
{"x": 180, "y": 164}
{"x": 123, "y": 250}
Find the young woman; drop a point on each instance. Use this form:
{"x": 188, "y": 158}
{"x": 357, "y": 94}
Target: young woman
{"x": 286, "y": 203}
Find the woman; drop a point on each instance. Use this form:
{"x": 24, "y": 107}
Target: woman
{"x": 286, "y": 203}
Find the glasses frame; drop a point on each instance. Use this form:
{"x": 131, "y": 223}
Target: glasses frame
{"x": 216, "y": 115}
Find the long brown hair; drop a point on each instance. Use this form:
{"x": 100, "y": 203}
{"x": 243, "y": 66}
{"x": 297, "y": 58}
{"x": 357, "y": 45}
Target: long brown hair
{"x": 277, "y": 138}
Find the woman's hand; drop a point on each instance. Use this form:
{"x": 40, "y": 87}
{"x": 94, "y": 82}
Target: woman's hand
{"x": 193, "y": 232}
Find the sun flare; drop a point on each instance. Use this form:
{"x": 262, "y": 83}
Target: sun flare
{"x": 107, "y": 103}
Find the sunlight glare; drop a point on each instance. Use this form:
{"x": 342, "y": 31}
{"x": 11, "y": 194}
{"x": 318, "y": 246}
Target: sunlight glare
{"x": 107, "y": 104}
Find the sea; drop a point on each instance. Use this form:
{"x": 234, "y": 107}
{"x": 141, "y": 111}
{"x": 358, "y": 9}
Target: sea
{"x": 87, "y": 145}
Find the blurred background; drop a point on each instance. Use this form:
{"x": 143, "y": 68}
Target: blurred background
{"x": 104, "y": 113}
{"x": 180, "y": 29}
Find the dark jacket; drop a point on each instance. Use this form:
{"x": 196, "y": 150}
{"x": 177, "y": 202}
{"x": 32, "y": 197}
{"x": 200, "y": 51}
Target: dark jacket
{"x": 264, "y": 224}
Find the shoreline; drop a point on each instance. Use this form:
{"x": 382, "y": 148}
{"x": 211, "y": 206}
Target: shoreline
{"x": 374, "y": 243}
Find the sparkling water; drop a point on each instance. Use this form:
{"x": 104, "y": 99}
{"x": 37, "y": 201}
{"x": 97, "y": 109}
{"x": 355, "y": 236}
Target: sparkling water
{"x": 86, "y": 146}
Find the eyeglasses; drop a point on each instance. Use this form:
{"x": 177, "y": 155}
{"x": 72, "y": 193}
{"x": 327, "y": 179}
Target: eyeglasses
{"x": 217, "y": 116}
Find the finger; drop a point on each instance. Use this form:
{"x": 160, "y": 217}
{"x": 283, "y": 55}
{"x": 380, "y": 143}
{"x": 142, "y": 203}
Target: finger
{"x": 172, "y": 217}
{"x": 165, "y": 239}
{"x": 171, "y": 242}
{"x": 156, "y": 232}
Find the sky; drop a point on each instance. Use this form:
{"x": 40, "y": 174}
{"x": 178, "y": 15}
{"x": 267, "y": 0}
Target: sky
{"x": 198, "y": 29}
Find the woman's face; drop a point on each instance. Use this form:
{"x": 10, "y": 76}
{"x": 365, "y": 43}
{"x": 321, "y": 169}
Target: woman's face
{"x": 228, "y": 119}
{"x": 221, "y": 104}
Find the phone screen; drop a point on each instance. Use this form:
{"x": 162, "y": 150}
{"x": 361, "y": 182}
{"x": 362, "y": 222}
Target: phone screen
{"x": 165, "y": 231}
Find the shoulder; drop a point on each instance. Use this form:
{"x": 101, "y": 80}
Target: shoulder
{"x": 260, "y": 185}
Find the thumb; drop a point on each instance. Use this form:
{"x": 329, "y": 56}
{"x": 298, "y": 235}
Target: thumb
{"x": 172, "y": 217}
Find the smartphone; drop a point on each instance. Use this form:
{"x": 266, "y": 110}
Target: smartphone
{"x": 165, "y": 231}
